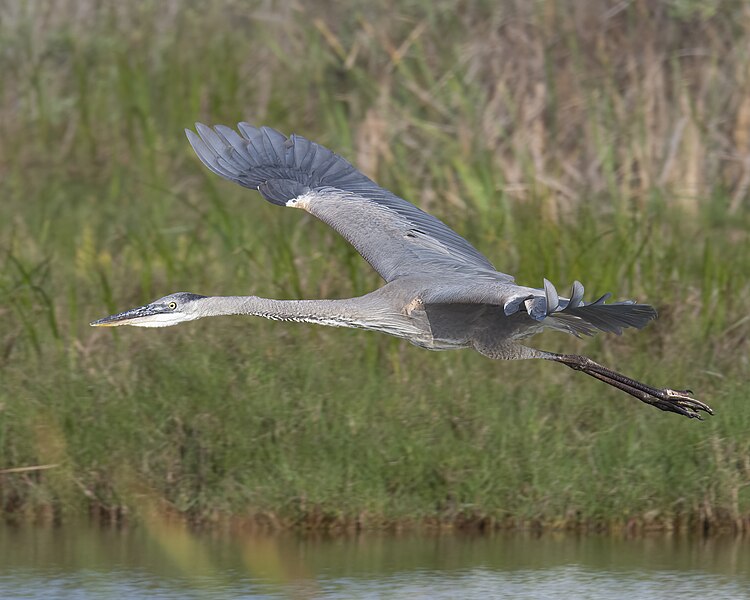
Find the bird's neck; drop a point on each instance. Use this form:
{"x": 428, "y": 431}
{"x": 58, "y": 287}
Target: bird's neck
{"x": 370, "y": 312}
{"x": 337, "y": 313}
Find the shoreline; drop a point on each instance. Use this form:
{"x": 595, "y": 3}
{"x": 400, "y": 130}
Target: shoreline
{"x": 320, "y": 522}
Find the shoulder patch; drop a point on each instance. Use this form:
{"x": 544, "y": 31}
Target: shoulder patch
{"x": 281, "y": 191}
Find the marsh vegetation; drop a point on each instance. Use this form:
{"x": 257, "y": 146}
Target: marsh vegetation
{"x": 609, "y": 144}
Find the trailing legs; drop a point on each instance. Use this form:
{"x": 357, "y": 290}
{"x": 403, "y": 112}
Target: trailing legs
{"x": 677, "y": 401}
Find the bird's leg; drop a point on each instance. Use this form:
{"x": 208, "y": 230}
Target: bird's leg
{"x": 677, "y": 401}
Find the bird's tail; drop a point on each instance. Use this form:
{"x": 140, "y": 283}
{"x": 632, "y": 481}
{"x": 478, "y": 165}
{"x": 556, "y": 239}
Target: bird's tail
{"x": 579, "y": 318}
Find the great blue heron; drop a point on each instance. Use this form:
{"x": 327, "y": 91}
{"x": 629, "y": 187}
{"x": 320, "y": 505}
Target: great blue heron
{"x": 440, "y": 292}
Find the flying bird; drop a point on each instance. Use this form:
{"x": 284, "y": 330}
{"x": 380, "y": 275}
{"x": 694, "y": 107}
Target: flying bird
{"x": 440, "y": 292}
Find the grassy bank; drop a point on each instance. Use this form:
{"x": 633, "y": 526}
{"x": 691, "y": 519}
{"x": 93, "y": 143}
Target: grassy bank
{"x": 565, "y": 141}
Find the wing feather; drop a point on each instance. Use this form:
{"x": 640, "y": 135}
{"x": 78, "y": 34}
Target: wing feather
{"x": 297, "y": 172}
{"x": 542, "y": 304}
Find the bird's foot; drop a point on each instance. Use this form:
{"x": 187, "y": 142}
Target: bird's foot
{"x": 666, "y": 399}
{"x": 676, "y": 401}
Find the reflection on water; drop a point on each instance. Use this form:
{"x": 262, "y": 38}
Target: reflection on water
{"x": 169, "y": 562}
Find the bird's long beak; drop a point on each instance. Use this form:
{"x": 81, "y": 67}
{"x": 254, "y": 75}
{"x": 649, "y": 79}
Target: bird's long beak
{"x": 128, "y": 317}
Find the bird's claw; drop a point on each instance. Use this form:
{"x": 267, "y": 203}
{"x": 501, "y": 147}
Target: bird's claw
{"x": 680, "y": 402}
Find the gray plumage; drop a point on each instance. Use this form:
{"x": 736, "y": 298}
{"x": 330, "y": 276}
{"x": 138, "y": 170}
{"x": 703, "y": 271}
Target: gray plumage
{"x": 440, "y": 292}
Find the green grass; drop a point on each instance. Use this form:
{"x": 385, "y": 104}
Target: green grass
{"x": 562, "y": 141}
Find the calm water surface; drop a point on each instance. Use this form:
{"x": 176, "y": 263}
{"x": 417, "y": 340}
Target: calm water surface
{"x": 163, "y": 561}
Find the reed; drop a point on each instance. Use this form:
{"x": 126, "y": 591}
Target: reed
{"x": 602, "y": 142}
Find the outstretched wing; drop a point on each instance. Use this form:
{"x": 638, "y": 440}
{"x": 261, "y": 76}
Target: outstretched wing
{"x": 544, "y": 305}
{"x": 393, "y": 235}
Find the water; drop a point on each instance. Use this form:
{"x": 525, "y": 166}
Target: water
{"x": 166, "y": 561}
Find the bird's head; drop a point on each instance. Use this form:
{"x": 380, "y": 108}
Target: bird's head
{"x": 169, "y": 310}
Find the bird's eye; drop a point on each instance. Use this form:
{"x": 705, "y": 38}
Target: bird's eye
{"x": 172, "y": 305}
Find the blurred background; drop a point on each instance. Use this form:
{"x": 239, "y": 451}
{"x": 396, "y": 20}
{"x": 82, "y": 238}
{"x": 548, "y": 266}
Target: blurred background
{"x": 602, "y": 141}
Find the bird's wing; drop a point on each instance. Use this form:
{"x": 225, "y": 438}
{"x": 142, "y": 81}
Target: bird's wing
{"x": 543, "y": 305}
{"x": 393, "y": 235}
